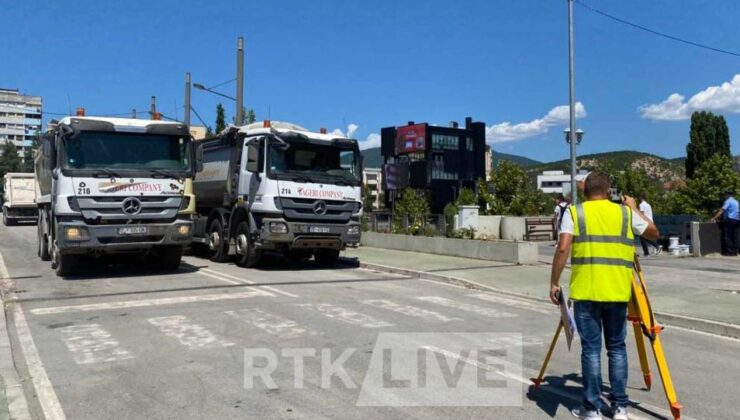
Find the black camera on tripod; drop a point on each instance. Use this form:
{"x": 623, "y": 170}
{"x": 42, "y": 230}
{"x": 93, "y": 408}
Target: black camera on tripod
{"x": 615, "y": 196}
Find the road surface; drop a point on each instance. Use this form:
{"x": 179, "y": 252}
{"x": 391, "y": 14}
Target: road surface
{"x": 125, "y": 341}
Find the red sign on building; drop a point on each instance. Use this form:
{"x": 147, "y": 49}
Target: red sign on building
{"x": 410, "y": 138}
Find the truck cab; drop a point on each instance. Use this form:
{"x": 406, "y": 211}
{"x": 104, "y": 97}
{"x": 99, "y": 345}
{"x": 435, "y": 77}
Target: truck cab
{"x": 114, "y": 185}
{"x": 275, "y": 186}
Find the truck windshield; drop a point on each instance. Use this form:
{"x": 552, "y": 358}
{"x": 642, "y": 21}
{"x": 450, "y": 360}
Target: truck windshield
{"x": 127, "y": 151}
{"x": 307, "y": 162}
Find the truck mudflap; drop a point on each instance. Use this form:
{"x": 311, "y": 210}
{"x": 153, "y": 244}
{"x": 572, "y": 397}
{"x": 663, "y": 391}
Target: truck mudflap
{"x": 79, "y": 238}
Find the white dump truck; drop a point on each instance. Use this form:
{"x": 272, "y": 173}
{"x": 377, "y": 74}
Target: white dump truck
{"x": 19, "y": 198}
{"x": 114, "y": 185}
{"x": 274, "y": 186}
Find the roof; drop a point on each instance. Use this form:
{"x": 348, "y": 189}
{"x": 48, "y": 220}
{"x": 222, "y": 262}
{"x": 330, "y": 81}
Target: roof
{"x": 125, "y": 122}
{"x": 285, "y": 128}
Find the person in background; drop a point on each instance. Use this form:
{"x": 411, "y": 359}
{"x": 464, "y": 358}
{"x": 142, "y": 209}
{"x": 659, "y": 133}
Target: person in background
{"x": 730, "y": 222}
{"x": 647, "y": 210}
{"x": 599, "y": 237}
{"x": 561, "y": 206}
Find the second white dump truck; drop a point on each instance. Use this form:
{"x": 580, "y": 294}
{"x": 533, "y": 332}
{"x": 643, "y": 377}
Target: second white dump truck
{"x": 274, "y": 186}
{"x": 19, "y": 198}
{"x": 114, "y": 185}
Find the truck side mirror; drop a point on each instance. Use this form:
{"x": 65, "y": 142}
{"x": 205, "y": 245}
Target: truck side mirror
{"x": 253, "y": 153}
{"x": 198, "y": 157}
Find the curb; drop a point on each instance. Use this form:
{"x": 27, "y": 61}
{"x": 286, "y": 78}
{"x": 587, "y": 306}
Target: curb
{"x": 703, "y": 325}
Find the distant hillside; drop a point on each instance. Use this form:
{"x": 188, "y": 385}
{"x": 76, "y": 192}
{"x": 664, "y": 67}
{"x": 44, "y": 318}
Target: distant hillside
{"x": 371, "y": 158}
{"x": 522, "y": 161}
{"x": 658, "y": 168}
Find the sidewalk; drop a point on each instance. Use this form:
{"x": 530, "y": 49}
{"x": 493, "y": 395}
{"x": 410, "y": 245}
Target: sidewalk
{"x": 704, "y": 291}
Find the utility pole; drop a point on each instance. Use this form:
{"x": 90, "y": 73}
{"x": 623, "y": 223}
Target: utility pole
{"x": 186, "y": 120}
{"x": 153, "y": 108}
{"x": 572, "y": 98}
{"x": 239, "y": 81}
{"x": 133, "y": 113}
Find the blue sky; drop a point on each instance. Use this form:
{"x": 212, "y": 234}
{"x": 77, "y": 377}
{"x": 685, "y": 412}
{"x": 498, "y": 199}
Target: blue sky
{"x": 367, "y": 65}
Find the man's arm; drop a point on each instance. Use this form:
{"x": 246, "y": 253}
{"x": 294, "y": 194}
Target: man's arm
{"x": 651, "y": 233}
{"x": 558, "y": 264}
{"x": 719, "y": 214}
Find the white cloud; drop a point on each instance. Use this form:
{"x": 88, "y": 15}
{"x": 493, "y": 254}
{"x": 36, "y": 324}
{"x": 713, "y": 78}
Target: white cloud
{"x": 505, "y": 131}
{"x": 372, "y": 140}
{"x": 723, "y": 98}
{"x": 350, "y": 133}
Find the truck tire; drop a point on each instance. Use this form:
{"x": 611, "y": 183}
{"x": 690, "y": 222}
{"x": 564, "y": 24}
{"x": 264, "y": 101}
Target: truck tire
{"x": 64, "y": 265}
{"x": 218, "y": 242}
{"x": 43, "y": 240}
{"x": 246, "y": 254}
{"x": 326, "y": 257}
{"x": 169, "y": 257}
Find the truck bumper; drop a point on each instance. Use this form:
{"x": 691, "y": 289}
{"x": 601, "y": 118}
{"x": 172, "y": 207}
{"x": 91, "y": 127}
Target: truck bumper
{"x": 21, "y": 213}
{"x": 301, "y": 235}
{"x": 110, "y": 238}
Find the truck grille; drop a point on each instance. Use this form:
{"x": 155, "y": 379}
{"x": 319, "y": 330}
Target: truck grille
{"x": 97, "y": 210}
{"x": 299, "y": 209}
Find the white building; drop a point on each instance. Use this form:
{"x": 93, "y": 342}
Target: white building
{"x": 557, "y": 182}
{"x": 20, "y": 118}
{"x": 373, "y": 178}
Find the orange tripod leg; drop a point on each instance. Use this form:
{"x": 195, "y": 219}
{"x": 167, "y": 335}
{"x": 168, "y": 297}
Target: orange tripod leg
{"x": 538, "y": 380}
{"x": 634, "y": 317}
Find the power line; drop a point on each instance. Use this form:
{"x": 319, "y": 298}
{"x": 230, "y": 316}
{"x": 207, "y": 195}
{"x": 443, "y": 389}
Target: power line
{"x": 654, "y": 32}
{"x": 223, "y": 83}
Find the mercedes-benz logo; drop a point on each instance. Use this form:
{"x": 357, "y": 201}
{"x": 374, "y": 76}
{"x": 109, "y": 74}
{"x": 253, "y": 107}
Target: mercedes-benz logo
{"x": 319, "y": 208}
{"x": 131, "y": 206}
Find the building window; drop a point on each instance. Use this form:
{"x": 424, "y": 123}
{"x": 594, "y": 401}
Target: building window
{"x": 444, "y": 142}
{"x": 469, "y": 144}
{"x": 438, "y": 169}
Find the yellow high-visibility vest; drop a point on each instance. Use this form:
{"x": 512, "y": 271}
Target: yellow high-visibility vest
{"x": 603, "y": 252}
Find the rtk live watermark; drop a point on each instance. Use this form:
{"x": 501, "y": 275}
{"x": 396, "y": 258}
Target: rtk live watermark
{"x": 405, "y": 369}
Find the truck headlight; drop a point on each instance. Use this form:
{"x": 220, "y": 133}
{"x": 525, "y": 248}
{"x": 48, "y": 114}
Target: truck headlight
{"x": 278, "y": 227}
{"x": 353, "y": 230}
{"x": 76, "y": 234}
{"x": 183, "y": 230}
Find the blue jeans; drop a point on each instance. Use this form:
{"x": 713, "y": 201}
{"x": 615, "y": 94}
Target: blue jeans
{"x": 591, "y": 318}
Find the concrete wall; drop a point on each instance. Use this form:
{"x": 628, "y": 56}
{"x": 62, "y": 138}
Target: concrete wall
{"x": 705, "y": 239}
{"x": 505, "y": 251}
{"x": 489, "y": 227}
{"x": 513, "y": 228}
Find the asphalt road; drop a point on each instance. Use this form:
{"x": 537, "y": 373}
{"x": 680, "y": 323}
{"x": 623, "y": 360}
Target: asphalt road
{"x": 124, "y": 341}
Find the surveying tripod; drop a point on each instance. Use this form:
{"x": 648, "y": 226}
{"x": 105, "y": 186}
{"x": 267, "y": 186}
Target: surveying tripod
{"x": 640, "y": 313}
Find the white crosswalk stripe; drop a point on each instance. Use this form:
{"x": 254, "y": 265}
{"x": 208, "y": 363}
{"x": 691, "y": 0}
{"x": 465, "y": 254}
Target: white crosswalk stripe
{"x": 90, "y": 343}
{"x": 410, "y": 310}
{"x": 345, "y": 315}
{"x": 270, "y": 323}
{"x": 189, "y": 334}
{"x": 468, "y": 307}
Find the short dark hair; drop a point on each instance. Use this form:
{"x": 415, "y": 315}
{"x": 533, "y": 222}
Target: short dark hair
{"x": 560, "y": 197}
{"x": 597, "y": 183}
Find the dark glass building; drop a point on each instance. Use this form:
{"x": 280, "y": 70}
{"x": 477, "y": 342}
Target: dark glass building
{"x": 437, "y": 160}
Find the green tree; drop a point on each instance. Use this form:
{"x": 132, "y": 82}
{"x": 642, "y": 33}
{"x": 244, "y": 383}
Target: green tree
{"x": 28, "y": 154}
{"x": 704, "y": 193}
{"x": 636, "y": 183}
{"x": 708, "y": 136}
{"x": 10, "y": 161}
{"x": 209, "y": 131}
{"x": 414, "y": 207}
{"x": 248, "y": 117}
{"x": 512, "y": 192}
{"x": 466, "y": 197}
{"x": 368, "y": 201}
{"x": 220, "y": 118}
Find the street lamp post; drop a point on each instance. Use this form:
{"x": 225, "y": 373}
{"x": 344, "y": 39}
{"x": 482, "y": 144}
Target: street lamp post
{"x": 186, "y": 120}
{"x": 239, "y": 119}
{"x": 201, "y": 87}
{"x": 572, "y": 96}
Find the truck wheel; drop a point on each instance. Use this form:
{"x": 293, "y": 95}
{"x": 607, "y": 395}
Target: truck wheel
{"x": 43, "y": 240}
{"x": 326, "y": 257}
{"x": 169, "y": 257}
{"x": 246, "y": 254}
{"x": 218, "y": 242}
{"x": 64, "y": 265}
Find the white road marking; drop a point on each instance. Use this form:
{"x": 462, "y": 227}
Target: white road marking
{"x": 47, "y": 397}
{"x": 236, "y": 280}
{"x": 410, "y": 310}
{"x": 541, "y": 308}
{"x": 468, "y": 307}
{"x": 346, "y": 315}
{"x": 270, "y": 323}
{"x": 189, "y": 334}
{"x": 147, "y": 302}
{"x": 90, "y": 343}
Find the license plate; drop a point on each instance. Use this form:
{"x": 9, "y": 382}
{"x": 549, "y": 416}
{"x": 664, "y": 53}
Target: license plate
{"x": 132, "y": 230}
{"x": 319, "y": 229}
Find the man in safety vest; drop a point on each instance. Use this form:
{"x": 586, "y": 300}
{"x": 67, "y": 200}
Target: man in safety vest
{"x": 599, "y": 236}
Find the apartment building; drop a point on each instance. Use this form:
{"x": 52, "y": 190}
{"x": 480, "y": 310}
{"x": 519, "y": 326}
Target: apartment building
{"x": 20, "y": 118}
